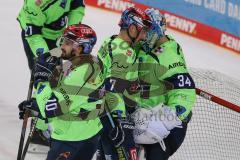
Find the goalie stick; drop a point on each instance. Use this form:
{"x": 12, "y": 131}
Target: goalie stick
{"x": 217, "y": 100}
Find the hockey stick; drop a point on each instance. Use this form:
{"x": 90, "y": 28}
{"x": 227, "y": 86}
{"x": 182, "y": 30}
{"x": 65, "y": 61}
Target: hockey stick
{"x": 34, "y": 123}
{"x": 218, "y": 100}
{"x": 25, "y": 119}
{"x": 22, "y": 153}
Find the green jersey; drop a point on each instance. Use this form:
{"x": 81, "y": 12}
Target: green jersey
{"x": 167, "y": 66}
{"x": 120, "y": 72}
{"x": 72, "y": 86}
{"x": 47, "y": 19}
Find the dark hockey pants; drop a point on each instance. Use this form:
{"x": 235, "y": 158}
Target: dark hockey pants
{"x": 73, "y": 150}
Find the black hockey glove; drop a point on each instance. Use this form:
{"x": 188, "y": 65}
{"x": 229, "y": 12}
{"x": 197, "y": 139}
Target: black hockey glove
{"x": 44, "y": 66}
{"x": 30, "y": 105}
{"x": 123, "y": 128}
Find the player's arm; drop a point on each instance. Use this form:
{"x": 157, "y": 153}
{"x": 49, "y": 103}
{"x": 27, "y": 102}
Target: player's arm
{"x": 182, "y": 100}
{"x": 77, "y": 10}
{"x": 178, "y": 103}
{"x": 35, "y": 20}
{"x": 117, "y": 73}
{"x": 182, "y": 96}
{"x": 72, "y": 96}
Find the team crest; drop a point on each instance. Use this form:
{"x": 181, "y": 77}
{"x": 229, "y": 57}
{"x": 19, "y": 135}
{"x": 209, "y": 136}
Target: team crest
{"x": 38, "y": 2}
{"x": 129, "y": 53}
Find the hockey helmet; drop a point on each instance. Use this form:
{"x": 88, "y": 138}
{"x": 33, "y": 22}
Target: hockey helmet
{"x": 82, "y": 35}
{"x": 135, "y": 16}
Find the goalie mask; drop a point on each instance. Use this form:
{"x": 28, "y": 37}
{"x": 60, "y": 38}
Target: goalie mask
{"x": 157, "y": 30}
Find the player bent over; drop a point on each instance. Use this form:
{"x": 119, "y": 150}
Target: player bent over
{"x": 62, "y": 93}
{"x": 121, "y": 82}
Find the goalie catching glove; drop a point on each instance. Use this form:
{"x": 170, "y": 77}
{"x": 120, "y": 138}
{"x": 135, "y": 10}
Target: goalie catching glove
{"x": 153, "y": 125}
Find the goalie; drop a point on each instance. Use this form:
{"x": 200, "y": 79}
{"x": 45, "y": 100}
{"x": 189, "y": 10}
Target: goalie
{"x": 161, "y": 122}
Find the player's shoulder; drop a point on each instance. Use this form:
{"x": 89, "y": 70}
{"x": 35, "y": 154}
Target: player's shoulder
{"x": 172, "y": 44}
{"x": 112, "y": 46}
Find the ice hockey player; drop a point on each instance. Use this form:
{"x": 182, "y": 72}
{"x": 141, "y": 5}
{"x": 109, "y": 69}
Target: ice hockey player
{"x": 63, "y": 93}
{"x": 166, "y": 115}
{"x": 42, "y": 23}
{"x": 121, "y": 81}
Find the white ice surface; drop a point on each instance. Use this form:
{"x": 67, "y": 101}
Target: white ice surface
{"x": 15, "y": 74}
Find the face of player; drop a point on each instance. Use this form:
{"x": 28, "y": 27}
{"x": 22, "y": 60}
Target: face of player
{"x": 139, "y": 34}
{"x": 70, "y": 49}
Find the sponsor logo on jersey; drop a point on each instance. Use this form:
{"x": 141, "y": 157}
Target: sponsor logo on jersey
{"x": 176, "y": 64}
{"x": 65, "y": 96}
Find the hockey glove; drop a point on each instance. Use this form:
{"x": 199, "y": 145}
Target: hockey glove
{"x": 30, "y": 105}
{"x": 153, "y": 125}
{"x": 44, "y": 66}
{"x": 123, "y": 128}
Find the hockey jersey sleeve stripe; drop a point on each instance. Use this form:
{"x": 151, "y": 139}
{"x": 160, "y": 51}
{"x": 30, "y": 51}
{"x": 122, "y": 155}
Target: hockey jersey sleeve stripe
{"x": 32, "y": 29}
{"x": 181, "y": 81}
